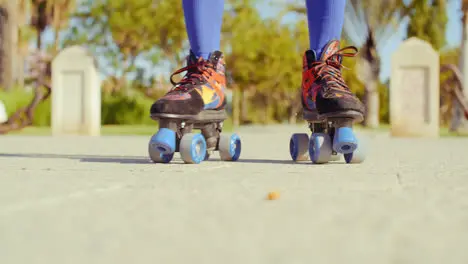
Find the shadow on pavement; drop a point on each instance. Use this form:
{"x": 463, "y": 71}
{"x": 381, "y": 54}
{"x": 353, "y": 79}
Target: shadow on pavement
{"x": 136, "y": 160}
{"x": 82, "y": 158}
{"x": 259, "y": 161}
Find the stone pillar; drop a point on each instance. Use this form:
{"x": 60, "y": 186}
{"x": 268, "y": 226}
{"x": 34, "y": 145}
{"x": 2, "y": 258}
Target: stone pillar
{"x": 414, "y": 90}
{"x": 76, "y": 93}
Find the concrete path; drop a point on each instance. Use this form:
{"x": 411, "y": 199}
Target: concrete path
{"x": 99, "y": 200}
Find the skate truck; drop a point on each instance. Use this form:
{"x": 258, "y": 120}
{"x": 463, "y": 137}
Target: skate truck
{"x": 175, "y": 134}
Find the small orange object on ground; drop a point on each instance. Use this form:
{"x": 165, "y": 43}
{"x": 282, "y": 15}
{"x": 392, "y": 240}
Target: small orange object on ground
{"x": 273, "y": 195}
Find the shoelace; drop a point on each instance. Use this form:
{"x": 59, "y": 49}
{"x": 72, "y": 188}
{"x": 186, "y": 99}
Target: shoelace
{"x": 330, "y": 69}
{"x": 195, "y": 74}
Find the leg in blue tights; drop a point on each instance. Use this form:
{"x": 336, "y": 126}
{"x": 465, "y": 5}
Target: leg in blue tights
{"x": 325, "y": 19}
{"x": 324, "y": 90}
{"x": 203, "y": 20}
{"x": 204, "y": 83}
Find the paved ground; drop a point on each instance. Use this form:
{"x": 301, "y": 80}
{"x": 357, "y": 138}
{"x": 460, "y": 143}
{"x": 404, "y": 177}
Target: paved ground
{"x": 98, "y": 200}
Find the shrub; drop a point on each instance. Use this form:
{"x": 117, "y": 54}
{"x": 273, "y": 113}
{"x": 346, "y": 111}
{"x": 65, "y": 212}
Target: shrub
{"x": 120, "y": 109}
{"x": 116, "y": 109}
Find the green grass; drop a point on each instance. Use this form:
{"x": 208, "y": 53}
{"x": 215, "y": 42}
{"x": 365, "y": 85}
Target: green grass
{"x": 444, "y": 131}
{"x": 151, "y": 129}
{"x": 110, "y": 129}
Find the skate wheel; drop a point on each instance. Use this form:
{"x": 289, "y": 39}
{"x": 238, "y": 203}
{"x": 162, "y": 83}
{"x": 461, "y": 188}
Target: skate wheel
{"x": 193, "y": 148}
{"x": 320, "y": 148}
{"x": 164, "y": 141}
{"x": 229, "y": 147}
{"x": 157, "y": 157}
{"x": 162, "y": 146}
{"x": 299, "y": 146}
{"x": 344, "y": 140}
{"x": 358, "y": 156}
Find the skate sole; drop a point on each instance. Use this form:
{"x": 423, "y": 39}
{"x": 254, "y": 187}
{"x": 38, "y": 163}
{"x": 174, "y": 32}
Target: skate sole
{"x": 315, "y": 117}
{"x": 205, "y": 116}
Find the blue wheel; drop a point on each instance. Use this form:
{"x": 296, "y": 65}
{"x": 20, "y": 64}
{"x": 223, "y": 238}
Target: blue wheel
{"x": 192, "y": 148}
{"x": 229, "y": 147}
{"x": 164, "y": 141}
{"x": 344, "y": 140}
{"x": 162, "y": 146}
{"x": 299, "y": 147}
{"x": 157, "y": 157}
{"x": 320, "y": 148}
{"x": 358, "y": 156}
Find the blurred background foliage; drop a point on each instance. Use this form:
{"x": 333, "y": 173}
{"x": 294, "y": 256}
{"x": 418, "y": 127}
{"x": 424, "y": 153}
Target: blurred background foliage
{"x": 138, "y": 43}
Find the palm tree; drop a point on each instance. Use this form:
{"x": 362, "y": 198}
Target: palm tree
{"x": 9, "y": 24}
{"x": 3, "y": 18}
{"x": 369, "y": 24}
{"x": 43, "y": 14}
{"x": 25, "y": 35}
{"x": 457, "y": 116}
{"x": 40, "y": 19}
{"x": 60, "y": 11}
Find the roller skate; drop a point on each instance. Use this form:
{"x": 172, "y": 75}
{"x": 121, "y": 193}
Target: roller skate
{"x": 195, "y": 102}
{"x": 329, "y": 108}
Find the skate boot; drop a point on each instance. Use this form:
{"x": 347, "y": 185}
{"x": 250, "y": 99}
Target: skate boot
{"x": 195, "y": 102}
{"x": 330, "y": 108}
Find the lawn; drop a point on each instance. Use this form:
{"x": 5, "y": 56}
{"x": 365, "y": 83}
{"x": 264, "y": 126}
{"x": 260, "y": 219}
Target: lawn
{"x": 444, "y": 131}
{"x": 151, "y": 129}
{"x": 110, "y": 129}
{"x": 105, "y": 130}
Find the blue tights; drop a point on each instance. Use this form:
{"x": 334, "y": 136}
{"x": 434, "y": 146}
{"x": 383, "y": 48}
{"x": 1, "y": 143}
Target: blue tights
{"x": 203, "y": 19}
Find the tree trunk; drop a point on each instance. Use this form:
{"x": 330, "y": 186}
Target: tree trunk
{"x": 56, "y": 28}
{"x": 294, "y": 109}
{"x": 244, "y": 106}
{"x": 9, "y": 44}
{"x": 292, "y": 116}
{"x": 39, "y": 39}
{"x": 236, "y": 105}
{"x": 20, "y": 69}
{"x": 372, "y": 99}
{"x": 457, "y": 111}
{"x": 266, "y": 110}
{"x": 3, "y": 34}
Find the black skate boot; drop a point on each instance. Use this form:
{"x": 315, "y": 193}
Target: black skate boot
{"x": 330, "y": 108}
{"x": 195, "y": 102}
{"x": 202, "y": 88}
